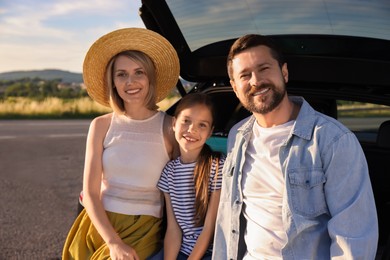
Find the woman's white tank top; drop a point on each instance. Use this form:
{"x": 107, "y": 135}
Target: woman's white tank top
{"x": 133, "y": 158}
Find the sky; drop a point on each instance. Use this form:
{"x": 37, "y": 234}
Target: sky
{"x": 56, "y": 34}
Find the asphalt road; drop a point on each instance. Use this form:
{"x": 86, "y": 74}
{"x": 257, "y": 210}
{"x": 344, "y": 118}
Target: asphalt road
{"x": 41, "y": 164}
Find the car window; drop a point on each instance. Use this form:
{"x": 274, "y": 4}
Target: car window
{"x": 362, "y": 118}
{"x": 206, "y": 21}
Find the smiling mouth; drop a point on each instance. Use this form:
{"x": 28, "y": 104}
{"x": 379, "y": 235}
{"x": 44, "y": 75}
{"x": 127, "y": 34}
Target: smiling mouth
{"x": 261, "y": 91}
{"x": 190, "y": 139}
{"x": 133, "y": 91}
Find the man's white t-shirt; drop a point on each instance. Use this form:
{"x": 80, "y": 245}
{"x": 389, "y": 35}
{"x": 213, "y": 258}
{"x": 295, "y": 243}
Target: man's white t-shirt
{"x": 263, "y": 185}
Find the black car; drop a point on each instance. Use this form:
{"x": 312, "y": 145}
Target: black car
{"x": 338, "y": 55}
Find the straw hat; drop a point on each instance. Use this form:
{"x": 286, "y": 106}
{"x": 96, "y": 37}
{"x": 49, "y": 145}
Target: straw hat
{"x": 158, "y": 48}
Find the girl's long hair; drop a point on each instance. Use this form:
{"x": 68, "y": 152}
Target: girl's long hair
{"x": 205, "y": 160}
{"x": 201, "y": 178}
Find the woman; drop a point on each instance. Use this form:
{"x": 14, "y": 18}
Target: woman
{"x": 130, "y": 70}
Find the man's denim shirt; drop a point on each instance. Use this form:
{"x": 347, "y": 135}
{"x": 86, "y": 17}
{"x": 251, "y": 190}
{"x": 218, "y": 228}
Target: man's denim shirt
{"x": 328, "y": 205}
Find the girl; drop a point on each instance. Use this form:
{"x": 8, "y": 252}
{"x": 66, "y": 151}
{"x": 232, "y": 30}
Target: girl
{"x": 192, "y": 182}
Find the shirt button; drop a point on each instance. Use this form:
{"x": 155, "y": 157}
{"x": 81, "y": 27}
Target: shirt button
{"x": 238, "y": 202}
{"x": 234, "y": 231}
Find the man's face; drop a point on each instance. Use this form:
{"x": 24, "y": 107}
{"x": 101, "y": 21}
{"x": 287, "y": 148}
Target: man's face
{"x": 258, "y": 81}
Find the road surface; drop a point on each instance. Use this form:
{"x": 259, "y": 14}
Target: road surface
{"x": 41, "y": 165}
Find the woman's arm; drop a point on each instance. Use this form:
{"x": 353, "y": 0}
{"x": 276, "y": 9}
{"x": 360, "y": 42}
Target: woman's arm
{"x": 207, "y": 233}
{"x": 93, "y": 170}
{"x": 173, "y": 235}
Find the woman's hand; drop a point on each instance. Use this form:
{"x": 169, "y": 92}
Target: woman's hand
{"x": 121, "y": 251}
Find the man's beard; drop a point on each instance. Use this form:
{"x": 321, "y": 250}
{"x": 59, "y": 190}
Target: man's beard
{"x": 274, "y": 99}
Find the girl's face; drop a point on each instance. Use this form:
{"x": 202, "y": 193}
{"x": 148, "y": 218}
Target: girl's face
{"x": 193, "y": 127}
{"x": 130, "y": 80}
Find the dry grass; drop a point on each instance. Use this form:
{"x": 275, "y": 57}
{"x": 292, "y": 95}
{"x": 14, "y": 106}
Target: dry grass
{"x": 16, "y": 108}
{"x": 58, "y": 108}
{"x": 167, "y": 103}
{"x": 363, "y": 110}
{"x": 50, "y": 108}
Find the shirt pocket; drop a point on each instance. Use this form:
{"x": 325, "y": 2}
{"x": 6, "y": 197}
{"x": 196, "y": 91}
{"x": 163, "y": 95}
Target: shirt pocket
{"x": 307, "y": 191}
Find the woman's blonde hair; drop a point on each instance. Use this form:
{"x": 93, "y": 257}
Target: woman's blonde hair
{"x": 116, "y": 102}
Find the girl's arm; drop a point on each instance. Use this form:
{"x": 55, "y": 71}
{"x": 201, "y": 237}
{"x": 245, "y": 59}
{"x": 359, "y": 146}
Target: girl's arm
{"x": 207, "y": 233}
{"x": 173, "y": 235}
{"x": 93, "y": 170}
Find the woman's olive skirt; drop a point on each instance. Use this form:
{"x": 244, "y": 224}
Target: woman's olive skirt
{"x": 143, "y": 233}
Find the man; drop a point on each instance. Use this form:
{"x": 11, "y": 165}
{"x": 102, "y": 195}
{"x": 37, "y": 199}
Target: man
{"x": 295, "y": 182}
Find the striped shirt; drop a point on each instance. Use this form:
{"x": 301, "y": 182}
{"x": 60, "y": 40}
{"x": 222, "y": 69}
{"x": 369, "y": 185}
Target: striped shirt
{"x": 177, "y": 180}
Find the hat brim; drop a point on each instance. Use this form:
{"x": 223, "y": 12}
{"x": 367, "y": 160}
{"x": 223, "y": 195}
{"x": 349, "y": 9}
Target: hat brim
{"x": 159, "y": 49}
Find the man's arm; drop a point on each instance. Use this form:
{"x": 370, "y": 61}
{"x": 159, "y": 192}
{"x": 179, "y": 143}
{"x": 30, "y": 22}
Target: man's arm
{"x": 353, "y": 226}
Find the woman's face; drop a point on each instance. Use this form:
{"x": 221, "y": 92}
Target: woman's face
{"x": 130, "y": 80}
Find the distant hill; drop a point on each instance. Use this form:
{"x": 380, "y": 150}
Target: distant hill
{"x": 50, "y": 74}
